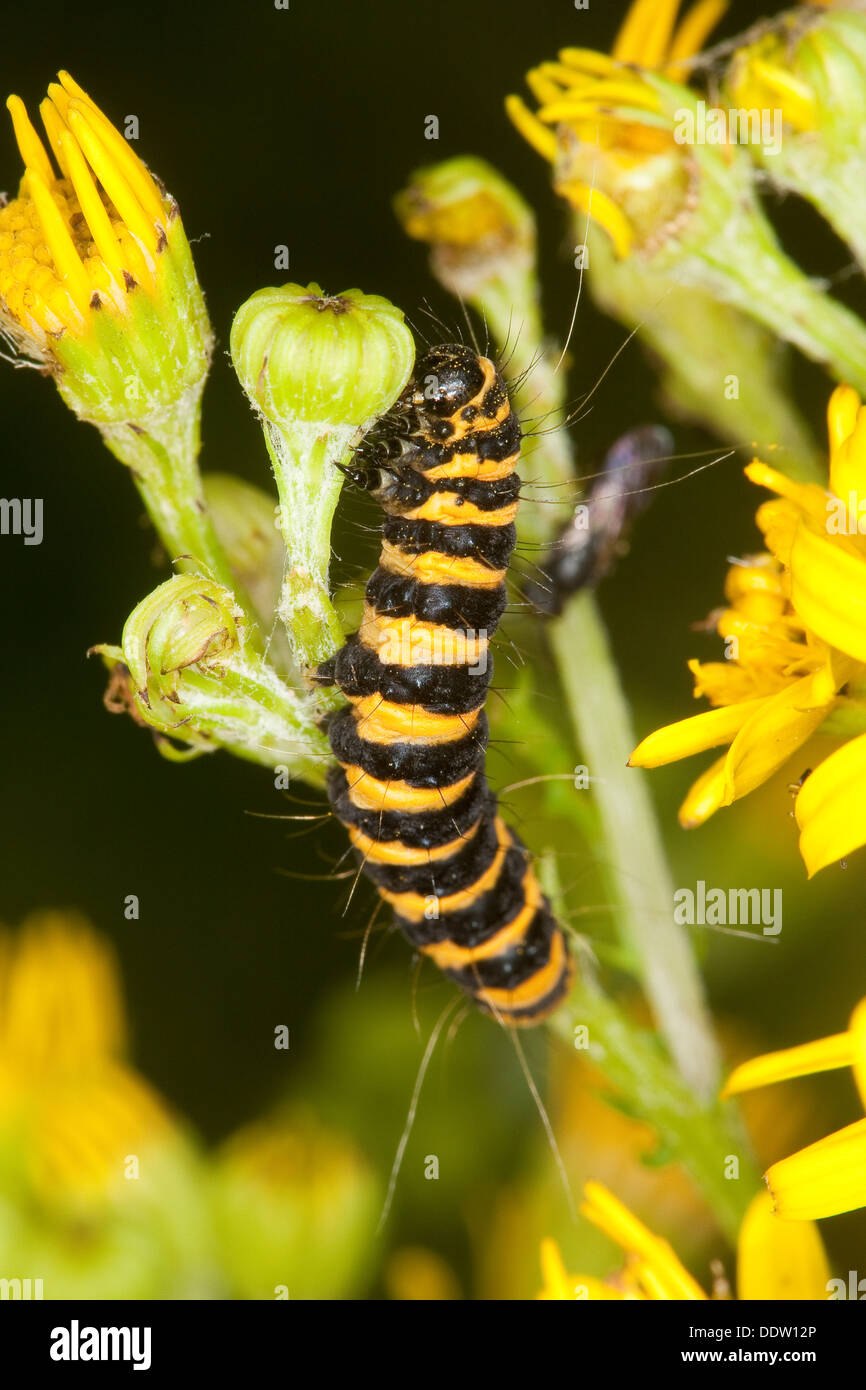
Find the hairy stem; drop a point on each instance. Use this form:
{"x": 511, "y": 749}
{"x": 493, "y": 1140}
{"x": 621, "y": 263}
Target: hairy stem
{"x": 642, "y": 882}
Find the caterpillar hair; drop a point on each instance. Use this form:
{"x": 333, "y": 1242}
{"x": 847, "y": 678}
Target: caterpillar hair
{"x": 410, "y": 786}
{"x": 588, "y": 546}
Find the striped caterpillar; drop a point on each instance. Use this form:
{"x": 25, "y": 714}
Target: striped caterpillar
{"x": 410, "y": 786}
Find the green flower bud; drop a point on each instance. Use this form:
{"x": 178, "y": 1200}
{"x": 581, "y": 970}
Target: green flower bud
{"x": 186, "y": 669}
{"x": 479, "y": 228}
{"x": 333, "y": 361}
{"x": 295, "y": 1210}
{"x": 319, "y": 369}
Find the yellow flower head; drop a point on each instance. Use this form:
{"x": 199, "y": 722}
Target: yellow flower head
{"x": 600, "y": 123}
{"x": 827, "y": 1177}
{"x": 774, "y": 1261}
{"x": 96, "y": 277}
{"x": 795, "y": 629}
{"x": 69, "y": 1105}
{"x": 295, "y": 1205}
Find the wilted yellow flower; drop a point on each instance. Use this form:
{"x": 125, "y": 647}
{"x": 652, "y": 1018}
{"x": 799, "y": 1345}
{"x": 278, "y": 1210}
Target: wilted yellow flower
{"x": 774, "y": 1260}
{"x": 827, "y": 1177}
{"x": 795, "y": 628}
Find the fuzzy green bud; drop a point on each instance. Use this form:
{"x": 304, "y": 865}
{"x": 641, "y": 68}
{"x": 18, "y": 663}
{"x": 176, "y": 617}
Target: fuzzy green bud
{"x": 186, "y": 669}
{"x": 319, "y": 370}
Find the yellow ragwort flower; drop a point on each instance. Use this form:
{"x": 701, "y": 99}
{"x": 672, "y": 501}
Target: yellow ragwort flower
{"x": 795, "y": 627}
{"x": 96, "y": 276}
{"x": 774, "y": 1260}
{"x": 827, "y": 1177}
{"x": 69, "y": 1105}
{"x": 599, "y": 123}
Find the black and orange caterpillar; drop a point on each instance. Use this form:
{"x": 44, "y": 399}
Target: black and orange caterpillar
{"x": 410, "y": 786}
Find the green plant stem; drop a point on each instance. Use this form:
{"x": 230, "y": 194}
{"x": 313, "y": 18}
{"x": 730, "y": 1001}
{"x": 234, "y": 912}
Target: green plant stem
{"x": 161, "y": 452}
{"x": 641, "y": 878}
{"x": 700, "y": 343}
{"x": 697, "y": 1136}
{"x": 309, "y": 484}
{"x": 252, "y": 713}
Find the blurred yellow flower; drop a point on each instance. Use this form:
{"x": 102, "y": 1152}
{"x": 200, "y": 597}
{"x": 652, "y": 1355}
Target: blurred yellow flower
{"x": 774, "y": 1260}
{"x": 795, "y": 630}
{"x": 80, "y": 1113}
{"x": 827, "y": 1177}
{"x": 414, "y": 1274}
{"x": 295, "y": 1207}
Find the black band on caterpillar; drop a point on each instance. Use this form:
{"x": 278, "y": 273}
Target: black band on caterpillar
{"x": 410, "y": 786}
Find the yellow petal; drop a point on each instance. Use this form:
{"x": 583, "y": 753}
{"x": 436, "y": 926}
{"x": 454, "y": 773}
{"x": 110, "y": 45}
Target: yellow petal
{"x": 809, "y": 497}
{"x": 668, "y": 1276}
{"x": 31, "y": 147}
{"x": 824, "y": 1055}
{"x": 831, "y": 807}
{"x": 857, "y": 1033}
{"x": 644, "y": 35}
{"x": 824, "y": 1179}
{"x": 779, "y": 1259}
{"x": 556, "y": 1281}
{"x": 828, "y": 590}
{"x": 530, "y": 127}
{"x": 704, "y": 798}
{"x": 796, "y": 97}
{"x": 777, "y": 520}
{"x": 602, "y": 210}
{"x": 782, "y": 724}
{"x": 63, "y": 251}
{"x": 586, "y": 60}
{"x": 842, "y": 411}
{"x": 542, "y": 87}
{"x": 694, "y": 735}
{"x": 732, "y": 682}
{"x": 701, "y": 19}
{"x": 848, "y": 462}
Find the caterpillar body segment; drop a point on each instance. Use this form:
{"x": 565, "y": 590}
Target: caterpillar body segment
{"x": 410, "y": 786}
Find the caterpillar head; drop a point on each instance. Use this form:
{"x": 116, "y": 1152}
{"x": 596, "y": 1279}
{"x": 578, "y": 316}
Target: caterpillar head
{"x": 446, "y": 378}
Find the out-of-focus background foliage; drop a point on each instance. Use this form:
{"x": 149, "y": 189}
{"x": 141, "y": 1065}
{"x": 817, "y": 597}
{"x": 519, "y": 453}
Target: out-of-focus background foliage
{"x": 296, "y": 127}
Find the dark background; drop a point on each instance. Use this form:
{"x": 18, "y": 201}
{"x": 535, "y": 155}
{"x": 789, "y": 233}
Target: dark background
{"x": 298, "y": 127}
